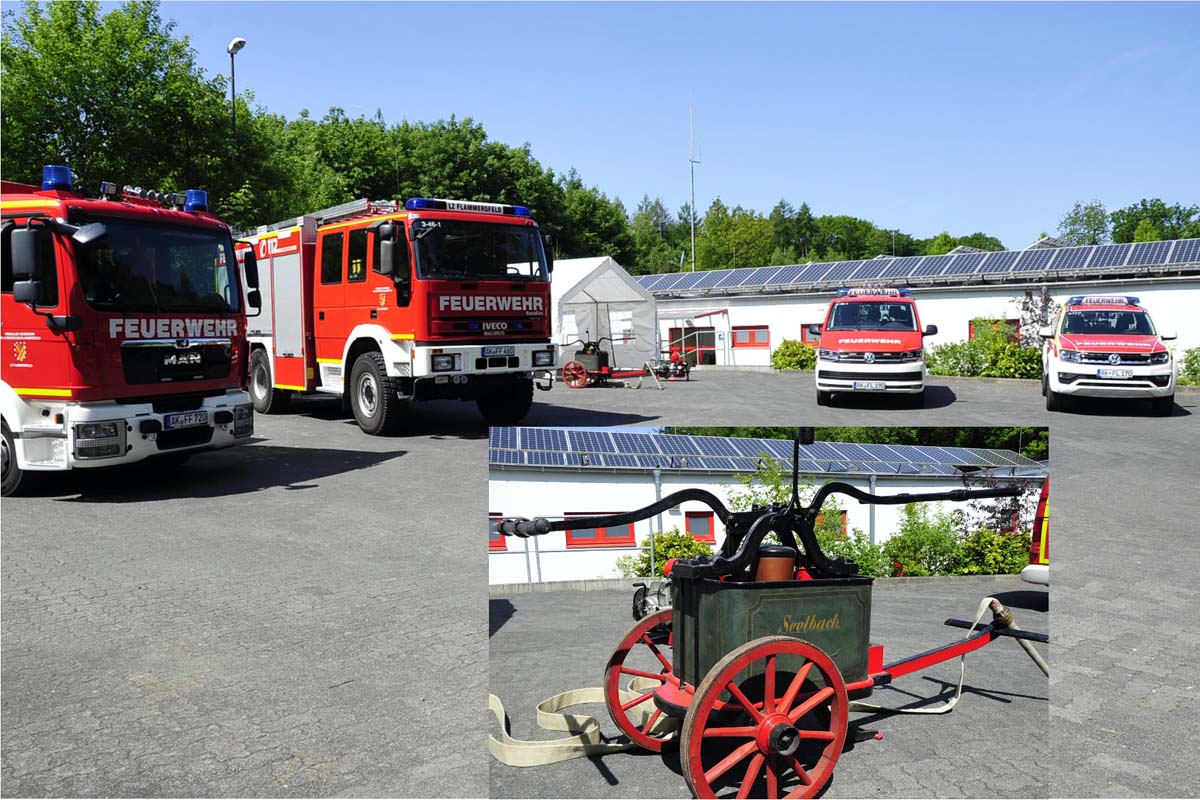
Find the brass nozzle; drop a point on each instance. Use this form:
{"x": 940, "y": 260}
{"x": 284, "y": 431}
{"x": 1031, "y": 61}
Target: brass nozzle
{"x": 1001, "y": 616}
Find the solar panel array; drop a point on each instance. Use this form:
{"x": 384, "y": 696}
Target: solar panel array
{"x": 602, "y": 449}
{"x": 1051, "y": 262}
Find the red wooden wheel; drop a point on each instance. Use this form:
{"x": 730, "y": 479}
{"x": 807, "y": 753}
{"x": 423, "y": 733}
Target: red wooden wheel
{"x": 788, "y": 731}
{"x": 641, "y": 654}
{"x": 575, "y": 374}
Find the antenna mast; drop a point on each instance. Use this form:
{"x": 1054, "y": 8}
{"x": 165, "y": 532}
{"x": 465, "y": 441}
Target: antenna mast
{"x": 693, "y": 161}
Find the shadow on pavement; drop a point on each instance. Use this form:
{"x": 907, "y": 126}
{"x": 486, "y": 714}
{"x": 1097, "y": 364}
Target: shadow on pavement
{"x": 935, "y": 397}
{"x": 239, "y": 470}
{"x": 500, "y": 611}
{"x": 1118, "y": 407}
{"x": 1029, "y": 599}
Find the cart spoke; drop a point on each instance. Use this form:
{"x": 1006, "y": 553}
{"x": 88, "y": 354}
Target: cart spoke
{"x": 637, "y": 700}
{"x": 751, "y": 708}
{"x": 769, "y": 689}
{"x": 644, "y": 674}
{"x": 772, "y": 776}
{"x": 650, "y": 723}
{"x": 805, "y": 778}
{"x": 657, "y": 654}
{"x": 729, "y": 761}
{"x": 794, "y": 687}
{"x": 746, "y": 731}
{"x": 751, "y": 776}
{"x": 811, "y": 703}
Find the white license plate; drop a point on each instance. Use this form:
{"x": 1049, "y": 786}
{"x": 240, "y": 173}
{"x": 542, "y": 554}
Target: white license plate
{"x": 870, "y": 386}
{"x": 500, "y": 350}
{"x": 188, "y": 419}
{"x": 1117, "y": 374}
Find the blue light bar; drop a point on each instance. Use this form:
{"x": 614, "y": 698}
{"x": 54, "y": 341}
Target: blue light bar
{"x": 196, "y": 200}
{"x": 56, "y": 177}
{"x": 419, "y": 203}
{"x": 521, "y": 211}
{"x": 429, "y": 203}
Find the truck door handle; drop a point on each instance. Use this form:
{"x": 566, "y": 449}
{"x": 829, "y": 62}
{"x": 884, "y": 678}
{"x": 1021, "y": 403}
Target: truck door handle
{"x": 374, "y": 313}
{"x": 320, "y": 315}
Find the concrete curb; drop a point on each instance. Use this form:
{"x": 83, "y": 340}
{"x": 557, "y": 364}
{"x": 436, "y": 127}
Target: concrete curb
{"x": 626, "y": 584}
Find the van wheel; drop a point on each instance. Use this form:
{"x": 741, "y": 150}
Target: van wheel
{"x": 508, "y": 403}
{"x": 1045, "y": 384}
{"x": 12, "y": 474}
{"x": 824, "y": 398}
{"x": 266, "y": 398}
{"x": 1163, "y": 406}
{"x": 374, "y": 398}
{"x": 1055, "y": 401}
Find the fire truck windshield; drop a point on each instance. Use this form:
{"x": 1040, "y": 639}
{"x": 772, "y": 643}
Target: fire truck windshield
{"x": 155, "y": 268}
{"x": 477, "y": 250}
{"x": 1109, "y": 323}
{"x": 872, "y": 316}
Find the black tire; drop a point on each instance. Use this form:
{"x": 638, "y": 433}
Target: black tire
{"x": 12, "y": 473}
{"x": 1055, "y": 401}
{"x": 824, "y": 398}
{"x": 263, "y": 394}
{"x": 374, "y": 397}
{"x": 507, "y": 403}
{"x": 1163, "y": 406}
{"x": 1045, "y": 384}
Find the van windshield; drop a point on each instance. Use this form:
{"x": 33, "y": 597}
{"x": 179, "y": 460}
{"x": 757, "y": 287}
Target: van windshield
{"x": 1109, "y": 323}
{"x": 477, "y": 251}
{"x": 150, "y": 267}
{"x": 872, "y": 316}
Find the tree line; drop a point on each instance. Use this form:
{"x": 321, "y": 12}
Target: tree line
{"x": 118, "y": 96}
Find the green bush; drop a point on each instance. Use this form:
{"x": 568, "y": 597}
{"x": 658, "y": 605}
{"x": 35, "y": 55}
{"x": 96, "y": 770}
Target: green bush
{"x": 667, "y": 545}
{"x": 855, "y": 545}
{"x": 1189, "y": 368}
{"x": 1013, "y": 361}
{"x": 792, "y": 354}
{"x": 987, "y": 552}
{"x": 927, "y": 544}
{"x": 991, "y": 354}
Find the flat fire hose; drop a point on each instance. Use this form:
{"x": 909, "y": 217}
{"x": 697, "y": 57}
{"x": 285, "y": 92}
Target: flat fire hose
{"x": 587, "y": 739}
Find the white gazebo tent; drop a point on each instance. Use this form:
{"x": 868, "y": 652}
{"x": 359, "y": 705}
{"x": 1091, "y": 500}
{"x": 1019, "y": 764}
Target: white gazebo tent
{"x": 592, "y": 298}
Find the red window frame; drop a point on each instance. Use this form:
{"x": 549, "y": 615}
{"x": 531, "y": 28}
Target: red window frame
{"x": 496, "y": 542}
{"x": 1015, "y": 324}
{"x": 754, "y": 340}
{"x": 845, "y": 530}
{"x": 711, "y": 536}
{"x": 621, "y": 536}
{"x": 807, "y": 337}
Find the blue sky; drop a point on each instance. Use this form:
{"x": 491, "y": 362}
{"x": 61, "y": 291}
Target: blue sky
{"x": 922, "y": 117}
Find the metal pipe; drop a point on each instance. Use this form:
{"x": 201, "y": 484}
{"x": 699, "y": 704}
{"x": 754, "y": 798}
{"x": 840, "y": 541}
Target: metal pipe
{"x": 872, "y": 511}
{"x": 657, "y": 497}
{"x": 537, "y": 555}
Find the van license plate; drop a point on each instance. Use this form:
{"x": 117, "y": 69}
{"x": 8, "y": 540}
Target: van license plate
{"x": 1116, "y": 374}
{"x": 870, "y": 386}
{"x": 188, "y": 419}
{"x": 500, "y": 350}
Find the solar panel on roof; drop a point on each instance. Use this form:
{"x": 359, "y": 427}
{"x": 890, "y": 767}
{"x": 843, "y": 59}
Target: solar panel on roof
{"x": 901, "y": 267}
{"x": 1186, "y": 251}
{"x": 763, "y": 276}
{"x": 734, "y": 277}
{"x": 840, "y": 271}
{"x": 714, "y": 446}
{"x": 1034, "y": 260}
{"x": 932, "y": 265}
{"x": 545, "y": 459}
{"x": 648, "y": 282}
{"x": 837, "y": 466}
{"x": 591, "y": 441}
{"x": 1149, "y": 253}
{"x": 1112, "y": 255}
{"x": 965, "y": 263}
{"x": 995, "y": 459}
{"x": 689, "y": 280}
{"x": 543, "y": 439}
{"x": 651, "y": 461}
{"x": 744, "y": 464}
{"x": 711, "y": 278}
{"x": 963, "y": 456}
{"x": 870, "y": 270}
{"x": 616, "y": 460}
{"x": 503, "y": 437}
{"x": 909, "y": 469}
{"x": 748, "y": 447}
{"x": 999, "y": 262}
{"x": 669, "y": 280}
{"x": 634, "y": 443}
{"x": 818, "y": 450}
{"x": 676, "y": 445}
{"x": 505, "y": 456}
{"x": 812, "y": 273}
{"x": 854, "y": 451}
{"x": 778, "y": 448}
{"x": 1072, "y": 257}
{"x": 787, "y": 274}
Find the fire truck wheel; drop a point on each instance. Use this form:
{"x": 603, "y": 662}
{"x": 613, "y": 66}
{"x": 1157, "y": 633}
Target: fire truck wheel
{"x": 12, "y": 474}
{"x": 508, "y": 403}
{"x": 266, "y": 398}
{"x": 373, "y": 396}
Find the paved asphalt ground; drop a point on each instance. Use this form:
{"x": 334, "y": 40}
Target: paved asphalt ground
{"x": 305, "y": 615}
{"x": 545, "y": 643}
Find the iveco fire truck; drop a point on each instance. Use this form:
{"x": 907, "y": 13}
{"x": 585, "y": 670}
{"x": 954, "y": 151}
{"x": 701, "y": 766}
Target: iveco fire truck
{"x": 381, "y": 304}
{"x": 124, "y": 328}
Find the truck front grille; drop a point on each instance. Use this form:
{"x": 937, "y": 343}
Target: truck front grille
{"x": 158, "y": 361}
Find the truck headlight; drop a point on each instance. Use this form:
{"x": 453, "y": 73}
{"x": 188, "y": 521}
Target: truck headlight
{"x": 543, "y": 358}
{"x": 829, "y": 355}
{"x": 97, "y": 430}
{"x": 100, "y": 439}
{"x": 243, "y": 420}
{"x": 1160, "y": 358}
{"x": 443, "y": 363}
{"x": 1069, "y": 355}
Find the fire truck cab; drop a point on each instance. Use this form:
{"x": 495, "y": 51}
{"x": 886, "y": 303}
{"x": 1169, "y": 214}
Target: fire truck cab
{"x": 871, "y": 341}
{"x": 382, "y": 304}
{"x": 124, "y": 328}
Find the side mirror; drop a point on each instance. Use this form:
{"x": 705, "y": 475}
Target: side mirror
{"x": 26, "y": 255}
{"x": 1046, "y": 332}
{"x": 1167, "y": 335}
{"x": 548, "y": 247}
{"x": 250, "y": 268}
{"x": 930, "y": 330}
{"x": 89, "y": 234}
{"x": 387, "y": 258}
{"x": 27, "y": 292}
{"x": 254, "y": 299}
{"x": 814, "y": 330}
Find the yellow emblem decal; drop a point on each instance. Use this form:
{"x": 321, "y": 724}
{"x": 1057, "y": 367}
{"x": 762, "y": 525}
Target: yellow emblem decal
{"x": 20, "y": 351}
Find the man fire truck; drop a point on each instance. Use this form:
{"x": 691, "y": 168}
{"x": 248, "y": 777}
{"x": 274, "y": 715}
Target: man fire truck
{"x": 381, "y": 304}
{"x": 871, "y": 341}
{"x": 124, "y": 328}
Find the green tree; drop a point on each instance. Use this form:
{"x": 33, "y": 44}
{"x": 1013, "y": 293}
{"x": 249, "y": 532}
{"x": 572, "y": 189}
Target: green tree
{"x": 651, "y": 230}
{"x": 941, "y": 244}
{"x": 733, "y": 238}
{"x": 1147, "y": 231}
{"x": 981, "y": 241}
{"x": 1086, "y": 223}
{"x": 1171, "y": 222}
{"x": 843, "y": 237}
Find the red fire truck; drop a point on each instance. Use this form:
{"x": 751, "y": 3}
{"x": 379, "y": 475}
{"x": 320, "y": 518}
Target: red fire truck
{"x": 124, "y": 328}
{"x": 381, "y": 304}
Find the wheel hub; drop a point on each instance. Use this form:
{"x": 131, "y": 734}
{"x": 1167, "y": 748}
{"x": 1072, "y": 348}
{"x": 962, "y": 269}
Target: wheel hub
{"x": 777, "y": 735}
{"x": 368, "y": 395}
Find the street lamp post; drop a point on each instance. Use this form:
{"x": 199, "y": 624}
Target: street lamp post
{"x": 235, "y": 44}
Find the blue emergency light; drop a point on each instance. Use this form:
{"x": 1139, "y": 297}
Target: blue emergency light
{"x": 432, "y": 204}
{"x": 196, "y": 200}
{"x": 56, "y": 177}
{"x": 874, "y": 290}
